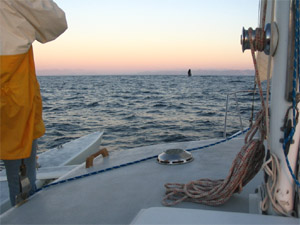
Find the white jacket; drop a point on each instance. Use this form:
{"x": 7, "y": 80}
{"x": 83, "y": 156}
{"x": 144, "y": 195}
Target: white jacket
{"x": 21, "y": 23}
{"x": 24, "y": 21}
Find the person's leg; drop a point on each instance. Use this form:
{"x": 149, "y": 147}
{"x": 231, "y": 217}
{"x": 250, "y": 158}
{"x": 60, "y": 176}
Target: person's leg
{"x": 12, "y": 172}
{"x": 31, "y": 166}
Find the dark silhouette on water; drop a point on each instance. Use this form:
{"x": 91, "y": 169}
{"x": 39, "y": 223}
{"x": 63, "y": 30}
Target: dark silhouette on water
{"x": 189, "y": 73}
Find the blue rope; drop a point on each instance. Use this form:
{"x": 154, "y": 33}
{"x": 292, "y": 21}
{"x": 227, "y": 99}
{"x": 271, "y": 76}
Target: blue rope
{"x": 289, "y": 137}
{"x": 297, "y": 31}
{"x": 134, "y": 162}
{"x": 95, "y": 172}
{"x": 218, "y": 142}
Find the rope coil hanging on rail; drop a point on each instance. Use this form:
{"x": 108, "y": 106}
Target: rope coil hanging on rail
{"x": 216, "y": 192}
{"x": 244, "y": 167}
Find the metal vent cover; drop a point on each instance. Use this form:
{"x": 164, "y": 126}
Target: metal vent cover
{"x": 174, "y": 156}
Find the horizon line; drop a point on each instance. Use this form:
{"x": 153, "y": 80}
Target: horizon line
{"x": 197, "y": 72}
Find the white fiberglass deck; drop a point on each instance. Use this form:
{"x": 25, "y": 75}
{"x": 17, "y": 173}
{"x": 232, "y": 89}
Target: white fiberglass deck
{"x": 116, "y": 196}
{"x": 52, "y": 163}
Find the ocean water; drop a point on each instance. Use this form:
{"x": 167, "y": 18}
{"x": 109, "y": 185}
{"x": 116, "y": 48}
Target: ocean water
{"x": 136, "y": 111}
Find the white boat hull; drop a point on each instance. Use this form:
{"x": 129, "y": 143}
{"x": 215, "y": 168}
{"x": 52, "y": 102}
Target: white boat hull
{"x": 56, "y": 162}
{"x": 115, "y": 196}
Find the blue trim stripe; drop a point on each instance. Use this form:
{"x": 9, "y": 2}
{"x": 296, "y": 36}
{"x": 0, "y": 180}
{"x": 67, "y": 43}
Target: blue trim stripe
{"x": 134, "y": 162}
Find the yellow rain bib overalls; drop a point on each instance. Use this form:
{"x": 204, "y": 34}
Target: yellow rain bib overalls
{"x": 21, "y": 23}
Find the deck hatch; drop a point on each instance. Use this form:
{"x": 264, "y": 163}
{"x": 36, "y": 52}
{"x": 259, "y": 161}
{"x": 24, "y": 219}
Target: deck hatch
{"x": 174, "y": 157}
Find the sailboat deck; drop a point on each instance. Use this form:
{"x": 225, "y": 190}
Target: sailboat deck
{"x": 116, "y": 196}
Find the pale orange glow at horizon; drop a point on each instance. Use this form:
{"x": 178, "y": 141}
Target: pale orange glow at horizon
{"x": 138, "y": 42}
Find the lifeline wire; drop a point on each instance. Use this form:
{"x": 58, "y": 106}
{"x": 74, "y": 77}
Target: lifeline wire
{"x": 216, "y": 192}
{"x": 135, "y": 162}
{"x": 244, "y": 167}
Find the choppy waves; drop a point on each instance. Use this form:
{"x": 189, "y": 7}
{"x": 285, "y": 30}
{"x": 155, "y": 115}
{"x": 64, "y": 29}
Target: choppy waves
{"x": 140, "y": 110}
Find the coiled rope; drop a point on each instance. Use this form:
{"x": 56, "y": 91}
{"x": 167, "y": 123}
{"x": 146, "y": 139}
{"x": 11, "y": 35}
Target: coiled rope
{"x": 272, "y": 169}
{"x": 216, "y": 192}
{"x": 272, "y": 165}
{"x": 244, "y": 167}
{"x": 134, "y": 162}
{"x": 289, "y": 137}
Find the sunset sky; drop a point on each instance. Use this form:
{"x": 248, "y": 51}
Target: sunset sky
{"x": 135, "y": 36}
